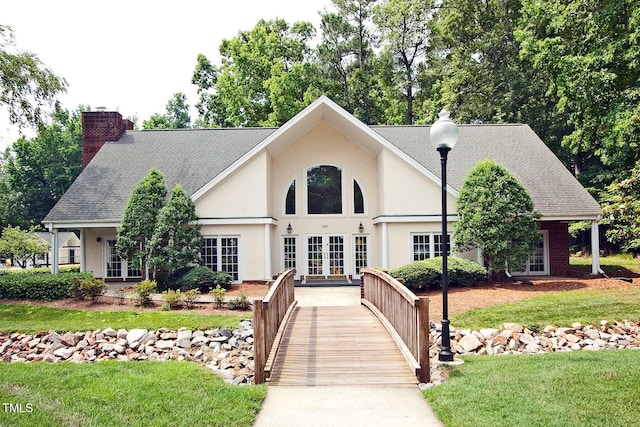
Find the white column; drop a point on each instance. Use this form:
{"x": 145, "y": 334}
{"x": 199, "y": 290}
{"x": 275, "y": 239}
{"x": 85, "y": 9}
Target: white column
{"x": 480, "y": 257}
{"x": 595, "y": 247}
{"x": 267, "y": 252}
{"x": 385, "y": 245}
{"x": 83, "y": 251}
{"x": 54, "y": 250}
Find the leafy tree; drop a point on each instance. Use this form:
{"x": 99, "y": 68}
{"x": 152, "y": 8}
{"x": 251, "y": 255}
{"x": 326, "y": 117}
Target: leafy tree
{"x": 27, "y": 87}
{"x": 140, "y": 218}
{"x": 21, "y": 245}
{"x": 621, "y": 212}
{"x": 265, "y": 78}
{"x": 405, "y": 33}
{"x": 348, "y": 61}
{"x": 176, "y": 116}
{"x": 589, "y": 49}
{"x": 479, "y": 71}
{"x": 176, "y": 242}
{"x": 496, "y": 215}
{"x": 38, "y": 171}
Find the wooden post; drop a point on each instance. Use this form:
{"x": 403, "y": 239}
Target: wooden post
{"x": 423, "y": 339}
{"x": 259, "y": 344}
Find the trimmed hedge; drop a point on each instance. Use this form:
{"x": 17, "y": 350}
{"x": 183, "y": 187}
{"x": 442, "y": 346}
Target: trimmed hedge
{"x": 39, "y": 286}
{"x": 427, "y": 274}
{"x": 200, "y": 277}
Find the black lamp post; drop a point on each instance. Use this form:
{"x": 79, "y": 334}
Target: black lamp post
{"x": 444, "y": 135}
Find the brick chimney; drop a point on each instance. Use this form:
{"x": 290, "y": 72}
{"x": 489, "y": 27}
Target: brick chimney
{"x": 99, "y": 127}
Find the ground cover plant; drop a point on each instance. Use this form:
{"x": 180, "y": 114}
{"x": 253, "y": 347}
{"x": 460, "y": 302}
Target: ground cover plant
{"x": 553, "y": 389}
{"x": 557, "y": 308}
{"x": 124, "y": 394}
{"x": 613, "y": 265}
{"x": 31, "y": 318}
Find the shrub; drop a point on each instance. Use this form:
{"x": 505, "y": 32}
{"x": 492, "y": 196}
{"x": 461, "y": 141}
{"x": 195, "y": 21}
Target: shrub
{"x": 240, "y": 303}
{"x": 223, "y": 279}
{"x": 427, "y": 274}
{"x": 143, "y": 291}
{"x": 200, "y": 277}
{"x": 218, "y": 296}
{"x": 172, "y": 298}
{"x": 189, "y": 298}
{"x": 88, "y": 288}
{"x": 39, "y": 286}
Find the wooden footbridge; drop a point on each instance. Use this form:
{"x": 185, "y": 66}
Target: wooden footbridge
{"x": 382, "y": 341}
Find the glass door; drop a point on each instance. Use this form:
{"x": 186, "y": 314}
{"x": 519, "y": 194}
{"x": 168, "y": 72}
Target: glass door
{"x": 325, "y": 256}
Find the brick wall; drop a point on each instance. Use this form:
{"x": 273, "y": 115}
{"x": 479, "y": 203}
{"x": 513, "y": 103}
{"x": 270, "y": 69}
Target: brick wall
{"x": 558, "y": 247}
{"x": 99, "y": 127}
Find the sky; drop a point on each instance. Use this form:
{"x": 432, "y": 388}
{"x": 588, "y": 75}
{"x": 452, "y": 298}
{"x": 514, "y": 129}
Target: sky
{"x": 132, "y": 56}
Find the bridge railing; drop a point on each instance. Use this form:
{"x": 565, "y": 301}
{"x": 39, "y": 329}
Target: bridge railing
{"x": 270, "y": 315}
{"x": 405, "y": 315}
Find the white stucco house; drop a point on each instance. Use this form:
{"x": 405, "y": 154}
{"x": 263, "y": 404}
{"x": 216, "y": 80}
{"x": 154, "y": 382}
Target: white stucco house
{"x": 68, "y": 249}
{"x": 324, "y": 194}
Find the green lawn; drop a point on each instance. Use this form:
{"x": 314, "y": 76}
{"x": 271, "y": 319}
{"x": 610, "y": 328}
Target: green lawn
{"x": 555, "y": 389}
{"x": 614, "y": 265}
{"x": 29, "y": 318}
{"x": 124, "y": 394}
{"x": 558, "y": 308}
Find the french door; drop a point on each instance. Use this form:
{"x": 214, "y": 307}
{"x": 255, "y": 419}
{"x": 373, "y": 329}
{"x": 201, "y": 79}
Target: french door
{"x": 325, "y": 255}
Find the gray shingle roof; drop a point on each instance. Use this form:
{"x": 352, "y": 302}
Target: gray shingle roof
{"x": 194, "y": 157}
{"x": 552, "y": 187}
{"x": 190, "y": 157}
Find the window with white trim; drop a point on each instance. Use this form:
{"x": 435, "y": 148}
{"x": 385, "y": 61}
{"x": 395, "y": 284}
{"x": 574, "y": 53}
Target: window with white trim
{"x": 221, "y": 253}
{"x": 289, "y": 252}
{"x": 427, "y": 245}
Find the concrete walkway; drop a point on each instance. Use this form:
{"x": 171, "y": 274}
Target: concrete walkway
{"x": 344, "y": 405}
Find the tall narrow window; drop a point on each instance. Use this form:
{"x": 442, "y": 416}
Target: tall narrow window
{"x": 290, "y": 203}
{"x": 358, "y": 198}
{"x": 290, "y": 253}
{"x": 324, "y": 190}
{"x": 421, "y": 247}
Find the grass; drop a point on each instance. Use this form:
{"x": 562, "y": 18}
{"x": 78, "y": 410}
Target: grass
{"x": 555, "y": 389}
{"x": 558, "y": 308}
{"x": 124, "y": 394}
{"x": 613, "y": 265}
{"x": 30, "y": 318}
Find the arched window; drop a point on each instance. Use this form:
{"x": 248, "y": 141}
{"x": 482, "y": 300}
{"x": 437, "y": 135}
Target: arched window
{"x": 324, "y": 190}
{"x": 358, "y": 198}
{"x": 290, "y": 203}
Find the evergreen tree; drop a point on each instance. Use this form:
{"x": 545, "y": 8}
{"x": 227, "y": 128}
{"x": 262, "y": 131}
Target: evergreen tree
{"x": 176, "y": 241}
{"x": 496, "y": 216}
{"x": 140, "y": 217}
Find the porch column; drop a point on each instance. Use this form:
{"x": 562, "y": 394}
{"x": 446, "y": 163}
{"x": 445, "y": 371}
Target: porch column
{"x": 385, "y": 245}
{"x": 83, "y": 251}
{"x": 595, "y": 248}
{"x": 267, "y": 252}
{"x": 54, "y": 250}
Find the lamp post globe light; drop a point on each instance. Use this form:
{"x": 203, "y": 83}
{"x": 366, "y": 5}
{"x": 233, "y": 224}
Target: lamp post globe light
{"x": 444, "y": 135}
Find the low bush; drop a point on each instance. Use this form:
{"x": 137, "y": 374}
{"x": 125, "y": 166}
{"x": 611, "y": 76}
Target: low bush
{"x": 427, "y": 274}
{"x": 240, "y": 303}
{"x": 39, "y": 286}
{"x": 218, "y": 296}
{"x": 189, "y": 298}
{"x": 88, "y": 288}
{"x": 172, "y": 299}
{"x": 143, "y": 291}
{"x": 200, "y": 277}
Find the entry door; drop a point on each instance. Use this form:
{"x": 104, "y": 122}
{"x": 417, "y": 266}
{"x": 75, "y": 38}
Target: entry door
{"x": 325, "y": 255}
